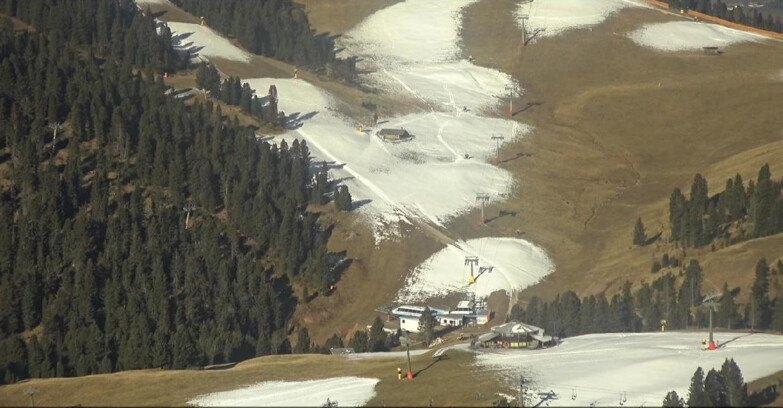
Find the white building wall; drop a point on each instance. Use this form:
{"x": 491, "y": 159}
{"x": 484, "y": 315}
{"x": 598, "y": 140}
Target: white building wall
{"x": 410, "y": 324}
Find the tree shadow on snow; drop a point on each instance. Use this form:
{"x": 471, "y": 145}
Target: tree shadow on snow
{"x": 722, "y": 345}
{"x": 528, "y": 106}
{"x": 360, "y": 203}
{"x": 176, "y": 38}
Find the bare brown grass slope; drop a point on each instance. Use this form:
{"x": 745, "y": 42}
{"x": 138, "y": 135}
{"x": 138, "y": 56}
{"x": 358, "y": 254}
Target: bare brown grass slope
{"x": 618, "y": 127}
{"x": 177, "y": 387}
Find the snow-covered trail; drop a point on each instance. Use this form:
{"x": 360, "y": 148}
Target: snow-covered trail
{"x": 516, "y": 264}
{"x": 553, "y": 17}
{"x": 643, "y": 367}
{"x": 345, "y": 391}
{"x": 689, "y": 35}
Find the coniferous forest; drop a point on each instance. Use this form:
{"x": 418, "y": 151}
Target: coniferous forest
{"x": 675, "y": 298}
{"x": 746, "y": 16}
{"x": 149, "y": 233}
{"x": 737, "y": 214}
{"x": 274, "y": 28}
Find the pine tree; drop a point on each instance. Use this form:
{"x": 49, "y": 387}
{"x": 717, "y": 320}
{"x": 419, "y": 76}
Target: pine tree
{"x": 639, "y": 235}
{"x": 777, "y": 317}
{"x": 760, "y": 306}
{"x": 697, "y": 397}
{"x": 673, "y": 400}
{"x": 359, "y": 341}
{"x": 736, "y": 389}
{"x": 427, "y": 323}
{"x": 284, "y": 347}
{"x": 715, "y": 388}
{"x": 678, "y": 209}
{"x": 332, "y": 342}
{"x": 728, "y": 313}
{"x": 302, "y": 342}
{"x": 377, "y": 338}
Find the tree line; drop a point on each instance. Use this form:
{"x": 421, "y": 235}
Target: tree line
{"x": 718, "y": 8}
{"x": 99, "y": 271}
{"x": 667, "y": 298}
{"x": 721, "y": 388}
{"x": 274, "y": 28}
{"x": 235, "y": 93}
{"x": 737, "y": 214}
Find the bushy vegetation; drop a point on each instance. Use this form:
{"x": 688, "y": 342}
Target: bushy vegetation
{"x": 98, "y": 270}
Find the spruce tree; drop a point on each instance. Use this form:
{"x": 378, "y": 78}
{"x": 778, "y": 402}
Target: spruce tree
{"x": 714, "y": 386}
{"x": 728, "y": 313}
{"x": 427, "y": 323}
{"x": 639, "y": 235}
{"x": 377, "y": 338}
{"x": 302, "y": 342}
{"x": 760, "y": 305}
{"x": 697, "y": 397}
{"x": 332, "y": 342}
{"x": 673, "y": 400}
{"x": 736, "y": 389}
{"x": 777, "y": 316}
{"x": 359, "y": 341}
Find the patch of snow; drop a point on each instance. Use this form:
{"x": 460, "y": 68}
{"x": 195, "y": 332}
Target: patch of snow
{"x": 204, "y": 42}
{"x": 413, "y": 48}
{"x": 644, "y": 367}
{"x": 517, "y": 265}
{"x": 688, "y": 35}
{"x": 345, "y": 391}
{"x": 426, "y": 177}
{"x": 410, "y": 32}
{"x": 557, "y": 16}
{"x": 385, "y": 354}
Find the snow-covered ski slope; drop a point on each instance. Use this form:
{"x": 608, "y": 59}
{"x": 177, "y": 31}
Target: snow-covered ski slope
{"x": 204, "y": 42}
{"x": 413, "y": 47}
{"x": 689, "y": 35}
{"x": 345, "y": 391}
{"x": 413, "y": 50}
{"x": 552, "y": 17}
{"x": 516, "y": 264}
{"x": 601, "y": 368}
{"x": 428, "y": 177}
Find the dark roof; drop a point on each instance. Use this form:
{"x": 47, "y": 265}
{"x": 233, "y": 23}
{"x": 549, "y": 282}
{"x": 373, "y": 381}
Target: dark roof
{"x": 393, "y": 132}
